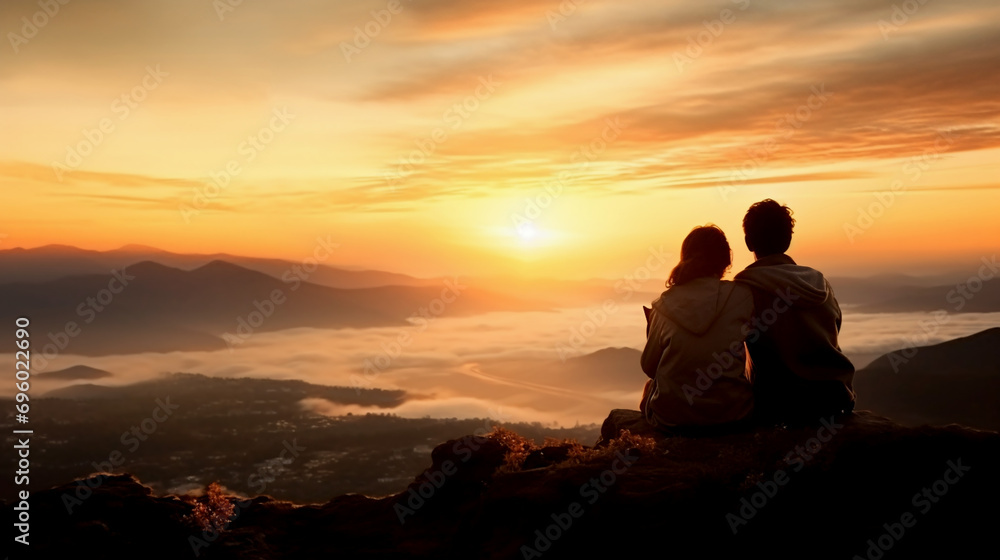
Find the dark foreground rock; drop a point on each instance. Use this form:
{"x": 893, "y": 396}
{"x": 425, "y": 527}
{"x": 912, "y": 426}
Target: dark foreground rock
{"x": 862, "y": 487}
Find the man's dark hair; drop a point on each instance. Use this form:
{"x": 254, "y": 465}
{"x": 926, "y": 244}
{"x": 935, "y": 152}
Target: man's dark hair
{"x": 768, "y": 228}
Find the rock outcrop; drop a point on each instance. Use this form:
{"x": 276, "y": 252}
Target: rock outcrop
{"x": 860, "y": 487}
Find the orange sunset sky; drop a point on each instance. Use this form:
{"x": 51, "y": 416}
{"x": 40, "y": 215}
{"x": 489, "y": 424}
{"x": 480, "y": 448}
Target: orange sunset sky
{"x": 417, "y": 134}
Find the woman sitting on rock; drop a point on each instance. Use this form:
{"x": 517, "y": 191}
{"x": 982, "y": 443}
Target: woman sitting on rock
{"x": 694, "y": 355}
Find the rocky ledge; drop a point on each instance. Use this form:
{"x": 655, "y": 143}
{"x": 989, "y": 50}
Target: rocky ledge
{"x": 858, "y": 487}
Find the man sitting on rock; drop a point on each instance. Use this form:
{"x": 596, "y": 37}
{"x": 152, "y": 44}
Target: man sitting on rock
{"x": 798, "y": 370}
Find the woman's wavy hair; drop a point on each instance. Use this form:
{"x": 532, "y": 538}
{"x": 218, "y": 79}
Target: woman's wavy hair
{"x": 705, "y": 252}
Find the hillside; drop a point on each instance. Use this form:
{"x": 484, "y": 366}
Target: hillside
{"x": 605, "y": 370}
{"x": 954, "y": 381}
{"x": 774, "y": 492}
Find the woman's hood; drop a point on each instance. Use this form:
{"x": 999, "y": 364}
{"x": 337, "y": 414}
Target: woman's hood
{"x": 696, "y": 304}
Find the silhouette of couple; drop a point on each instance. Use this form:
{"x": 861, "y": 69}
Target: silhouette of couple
{"x": 726, "y": 354}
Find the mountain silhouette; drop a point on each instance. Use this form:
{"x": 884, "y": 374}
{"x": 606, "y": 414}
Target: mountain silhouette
{"x": 76, "y": 372}
{"x": 884, "y": 292}
{"x": 56, "y": 261}
{"x": 955, "y": 381}
{"x": 977, "y": 297}
{"x": 165, "y": 309}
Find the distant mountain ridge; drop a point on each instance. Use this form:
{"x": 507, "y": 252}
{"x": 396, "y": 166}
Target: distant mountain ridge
{"x": 879, "y": 293}
{"x": 56, "y": 261}
{"x": 197, "y": 302}
{"x": 51, "y": 262}
{"x": 75, "y": 372}
{"x": 151, "y": 307}
{"x": 974, "y": 297}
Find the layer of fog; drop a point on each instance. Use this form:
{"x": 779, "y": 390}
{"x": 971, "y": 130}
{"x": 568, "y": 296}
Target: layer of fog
{"x": 493, "y": 365}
